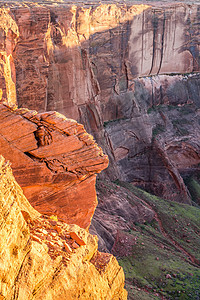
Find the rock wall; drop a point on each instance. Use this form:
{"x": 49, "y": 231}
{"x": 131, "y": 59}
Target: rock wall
{"x": 72, "y": 58}
{"x": 54, "y": 160}
{"x": 42, "y": 258}
{"x": 106, "y": 66}
{"x": 9, "y": 35}
{"x": 164, "y": 112}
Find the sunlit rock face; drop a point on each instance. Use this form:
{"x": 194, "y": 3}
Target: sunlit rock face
{"x": 72, "y": 58}
{"x": 9, "y": 34}
{"x": 43, "y": 258}
{"x": 68, "y": 58}
{"x": 54, "y": 160}
{"x": 106, "y": 66}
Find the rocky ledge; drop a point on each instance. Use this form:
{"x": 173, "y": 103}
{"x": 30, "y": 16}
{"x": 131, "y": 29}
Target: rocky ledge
{"x": 54, "y": 160}
{"x": 42, "y": 258}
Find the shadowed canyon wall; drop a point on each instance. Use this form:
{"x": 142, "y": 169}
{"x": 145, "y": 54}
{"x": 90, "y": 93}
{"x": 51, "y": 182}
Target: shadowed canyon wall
{"x": 106, "y": 66}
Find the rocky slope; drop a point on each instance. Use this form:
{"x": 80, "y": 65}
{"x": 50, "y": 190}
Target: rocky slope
{"x": 54, "y": 160}
{"x": 160, "y": 257}
{"x": 115, "y": 214}
{"x": 42, "y": 258}
{"x": 106, "y": 65}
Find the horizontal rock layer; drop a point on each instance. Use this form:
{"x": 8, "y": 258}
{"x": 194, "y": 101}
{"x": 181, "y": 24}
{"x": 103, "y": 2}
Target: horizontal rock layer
{"x": 70, "y": 58}
{"x": 54, "y": 160}
{"x": 106, "y": 65}
{"x": 42, "y": 258}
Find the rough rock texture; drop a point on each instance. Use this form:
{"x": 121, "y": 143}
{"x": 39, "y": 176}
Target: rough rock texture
{"x": 115, "y": 213}
{"x": 65, "y": 57}
{"x": 41, "y": 258}
{"x": 54, "y": 160}
{"x": 8, "y": 38}
{"x": 106, "y": 65}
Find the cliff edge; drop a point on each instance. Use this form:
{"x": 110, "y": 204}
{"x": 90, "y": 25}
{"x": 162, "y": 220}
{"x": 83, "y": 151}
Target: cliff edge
{"x": 42, "y": 258}
{"x": 129, "y": 72}
{"x": 54, "y": 160}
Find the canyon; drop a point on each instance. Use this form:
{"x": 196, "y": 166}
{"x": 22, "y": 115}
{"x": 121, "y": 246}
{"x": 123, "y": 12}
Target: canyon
{"x": 127, "y": 72}
{"x": 130, "y": 73}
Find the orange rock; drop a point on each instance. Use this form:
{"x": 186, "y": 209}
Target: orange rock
{"x": 53, "y": 234}
{"x": 59, "y": 243}
{"x": 67, "y": 247}
{"x": 87, "y": 85}
{"x": 58, "y": 229}
{"x": 51, "y": 271}
{"x": 60, "y": 168}
{"x": 43, "y": 231}
{"x": 75, "y": 245}
{"x": 36, "y": 238}
{"x": 75, "y": 237}
{"x": 51, "y": 244}
{"x": 26, "y": 216}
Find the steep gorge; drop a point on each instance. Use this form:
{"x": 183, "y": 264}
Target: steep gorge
{"x": 130, "y": 74}
{"x": 106, "y": 66}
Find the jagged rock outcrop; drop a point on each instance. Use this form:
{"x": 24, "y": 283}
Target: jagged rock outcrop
{"x": 111, "y": 62}
{"x": 115, "y": 213}
{"x": 42, "y": 258}
{"x": 54, "y": 160}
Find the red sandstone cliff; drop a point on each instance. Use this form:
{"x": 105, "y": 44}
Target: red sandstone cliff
{"x": 113, "y": 68}
{"x": 54, "y": 160}
{"x": 64, "y": 57}
{"x": 103, "y": 63}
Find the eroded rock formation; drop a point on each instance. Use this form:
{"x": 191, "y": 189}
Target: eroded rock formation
{"x": 42, "y": 258}
{"x": 54, "y": 160}
{"x": 67, "y": 57}
{"x": 129, "y": 73}
{"x": 115, "y": 213}
{"x": 9, "y": 34}
{"x": 112, "y": 62}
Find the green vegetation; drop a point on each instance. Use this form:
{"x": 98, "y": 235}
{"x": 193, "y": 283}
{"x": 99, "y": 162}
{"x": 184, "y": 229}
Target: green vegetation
{"x": 180, "y": 122}
{"x": 112, "y": 121}
{"x": 179, "y": 126}
{"x": 194, "y": 189}
{"x": 162, "y": 107}
{"x": 158, "y": 129}
{"x": 187, "y": 109}
{"x": 183, "y": 110}
{"x": 160, "y": 270}
{"x": 157, "y": 266}
{"x": 155, "y": 108}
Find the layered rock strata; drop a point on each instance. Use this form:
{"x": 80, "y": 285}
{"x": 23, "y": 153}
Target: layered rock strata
{"x": 106, "y": 65}
{"x": 54, "y": 160}
{"x": 68, "y": 57}
{"x": 42, "y": 258}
